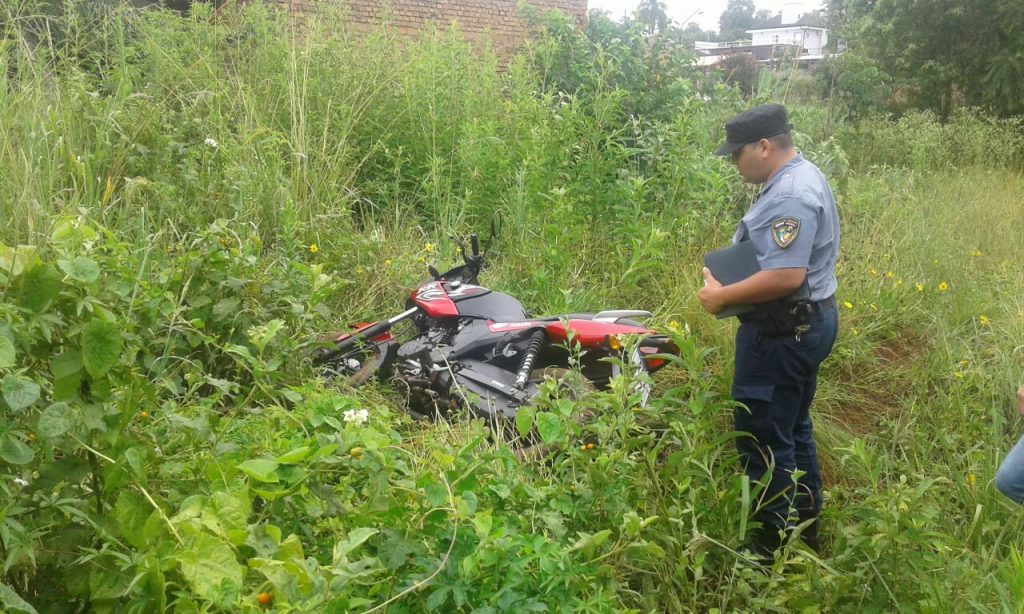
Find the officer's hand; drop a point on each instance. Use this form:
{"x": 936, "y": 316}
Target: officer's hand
{"x": 1020, "y": 400}
{"x": 710, "y": 296}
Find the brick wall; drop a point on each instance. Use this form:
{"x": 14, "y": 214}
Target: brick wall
{"x": 497, "y": 19}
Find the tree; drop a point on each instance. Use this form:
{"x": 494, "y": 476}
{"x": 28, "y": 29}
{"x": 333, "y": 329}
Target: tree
{"x": 690, "y": 34}
{"x": 737, "y": 18}
{"x": 741, "y": 70}
{"x": 940, "y": 54}
{"x": 653, "y": 15}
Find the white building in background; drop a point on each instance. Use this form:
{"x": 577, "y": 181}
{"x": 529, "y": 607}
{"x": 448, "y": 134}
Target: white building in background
{"x": 794, "y": 39}
{"x": 810, "y": 40}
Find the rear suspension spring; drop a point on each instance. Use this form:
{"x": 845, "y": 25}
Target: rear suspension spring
{"x": 532, "y": 351}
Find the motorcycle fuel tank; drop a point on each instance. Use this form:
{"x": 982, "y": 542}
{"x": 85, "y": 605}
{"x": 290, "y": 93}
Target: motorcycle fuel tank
{"x": 440, "y": 299}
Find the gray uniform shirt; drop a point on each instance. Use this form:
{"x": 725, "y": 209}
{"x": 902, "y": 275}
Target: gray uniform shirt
{"x": 794, "y": 224}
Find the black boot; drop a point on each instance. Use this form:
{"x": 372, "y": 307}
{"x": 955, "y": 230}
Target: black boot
{"x": 763, "y": 542}
{"x": 809, "y": 534}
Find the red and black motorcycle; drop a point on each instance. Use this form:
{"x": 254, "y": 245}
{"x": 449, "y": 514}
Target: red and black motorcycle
{"x": 469, "y": 346}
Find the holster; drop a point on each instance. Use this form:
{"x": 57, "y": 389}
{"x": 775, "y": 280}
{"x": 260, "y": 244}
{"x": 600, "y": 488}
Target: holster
{"x": 780, "y": 319}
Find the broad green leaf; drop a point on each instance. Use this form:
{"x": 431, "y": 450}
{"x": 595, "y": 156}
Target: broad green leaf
{"x": 13, "y": 603}
{"x": 54, "y": 421}
{"x": 80, "y": 269}
{"x": 589, "y": 543}
{"x": 227, "y": 308}
{"x": 550, "y": 427}
{"x": 8, "y": 354}
{"x": 210, "y": 566}
{"x": 67, "y": 374}
{"x": 351, "y": 542}
{"x": 524, "y": 420}
{"x": 437, "y": 494}
{"x": 39, "y": 288}
{"x": 645, "y": 549}
{"x": 438, "y": 598}
{"x": 14, "y": 260}
{"x": 262, "y": 335}
{"x": 483, "y": 522}
{"x": 291, "y": 549}
{"x": 269, "y": 495}
{"x": 264, "y": 539}
{"x": 136, "y": 459}
{"x": 101, "y": 346}
{"x": 19, "y": 392}
{"x": 260, "y": 469}
{"x": 131, "y": 513}
{"x": 232, "y": 510}
{"x": 15, "y": 452}
{"x": 295, "y": 455}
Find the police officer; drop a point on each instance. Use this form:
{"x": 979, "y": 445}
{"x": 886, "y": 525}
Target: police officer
{"x": 794, "y": 226}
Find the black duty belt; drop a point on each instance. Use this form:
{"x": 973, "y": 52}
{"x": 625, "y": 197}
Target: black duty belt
{"x": 805, "y": 308}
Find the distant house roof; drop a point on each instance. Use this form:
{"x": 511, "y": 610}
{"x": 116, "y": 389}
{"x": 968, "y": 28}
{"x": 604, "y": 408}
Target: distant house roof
{"x": 788, "y": 27}
{"x": 809, "y": 20}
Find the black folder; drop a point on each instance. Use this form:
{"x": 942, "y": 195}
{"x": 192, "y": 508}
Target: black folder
{"x": 737, "y": 262}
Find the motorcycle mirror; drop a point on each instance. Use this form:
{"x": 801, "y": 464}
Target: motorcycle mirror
{"x": 433, "y": 272}
{"x": 475, "y": 243}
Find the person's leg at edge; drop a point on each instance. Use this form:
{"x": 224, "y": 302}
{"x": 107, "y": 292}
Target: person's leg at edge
{"x": 1010, "y": 476}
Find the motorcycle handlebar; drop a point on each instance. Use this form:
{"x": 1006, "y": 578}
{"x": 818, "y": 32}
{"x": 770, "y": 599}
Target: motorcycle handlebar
{"x": 475, "y": 243}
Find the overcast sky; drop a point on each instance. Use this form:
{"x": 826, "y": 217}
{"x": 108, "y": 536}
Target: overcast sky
{"x": 704, "y": 13}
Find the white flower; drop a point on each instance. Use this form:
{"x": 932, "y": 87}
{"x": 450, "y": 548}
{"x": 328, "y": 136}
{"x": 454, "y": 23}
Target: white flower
{"x": 211, "y": 142}
{"x": 356, "y": 416}
{"x": 20, "y": 482}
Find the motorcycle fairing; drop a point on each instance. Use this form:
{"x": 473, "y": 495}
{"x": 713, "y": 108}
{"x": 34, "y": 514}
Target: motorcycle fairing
{"x": 432, "y": 298}
{"x": 440, "y": 299}
{"x": 590, "y": 332}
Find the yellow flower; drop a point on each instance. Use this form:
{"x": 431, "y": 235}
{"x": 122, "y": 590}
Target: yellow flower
{"x": 897, "y": 283}
{"x": 854, "y": 331}
{"x": 873, "y": 272}
{"x": 429, "y": 247}
{"x": 943, "y": 286}
{"x": 976, "y": 253}
{"x": 920, "y": 287}
{"x": 387, "y": 262}
{"x": 971, "y": 480}
{"x": 848, "y": 304}
{"x": 889, "y": 274}
{"x": 983, "y": 320}
{"x": 421, "y": 260}
{"x": 958, "y": 374}
{"x": 313, "y": 248}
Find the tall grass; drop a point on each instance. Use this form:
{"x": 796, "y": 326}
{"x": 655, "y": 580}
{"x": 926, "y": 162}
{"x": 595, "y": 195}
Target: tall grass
{"x": 373, "y": 149}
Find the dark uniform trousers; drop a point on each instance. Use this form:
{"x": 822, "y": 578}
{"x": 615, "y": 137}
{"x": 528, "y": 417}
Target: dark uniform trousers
{"x": 776, "y": 378}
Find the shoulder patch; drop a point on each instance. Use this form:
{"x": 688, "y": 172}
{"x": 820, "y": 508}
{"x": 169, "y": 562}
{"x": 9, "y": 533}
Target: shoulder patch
{"x": 785, "y": 230}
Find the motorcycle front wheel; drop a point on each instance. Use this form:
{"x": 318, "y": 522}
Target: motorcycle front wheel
{"x": 363, "y": 363}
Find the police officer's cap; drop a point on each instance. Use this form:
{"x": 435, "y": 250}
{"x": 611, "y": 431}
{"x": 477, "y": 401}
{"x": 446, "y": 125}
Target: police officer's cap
{"x": 761, "y": 122}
